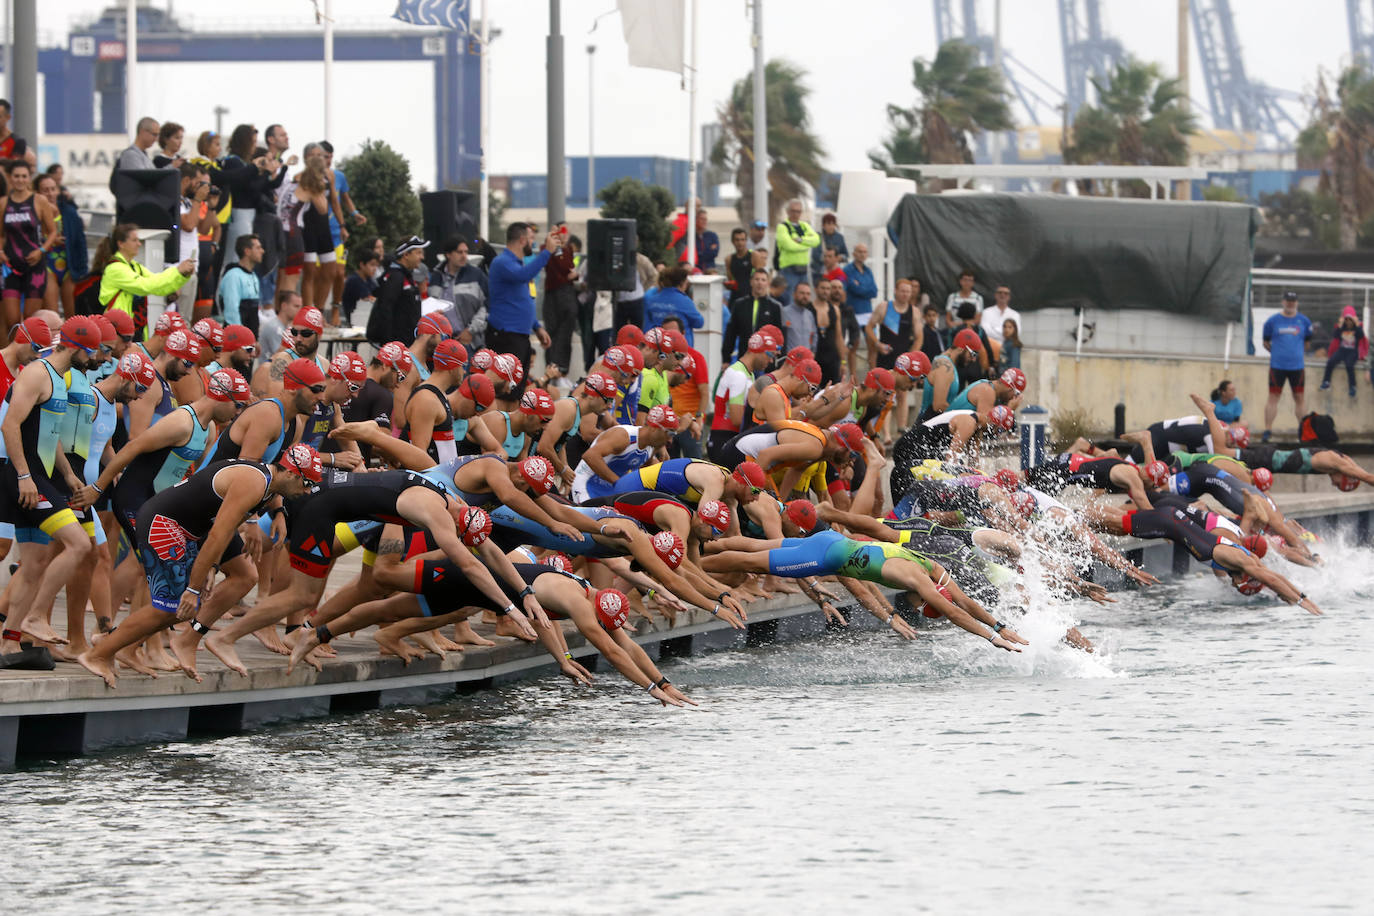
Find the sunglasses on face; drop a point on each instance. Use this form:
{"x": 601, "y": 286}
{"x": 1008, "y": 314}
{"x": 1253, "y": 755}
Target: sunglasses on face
{"x": 187, "y": 364}
{"x": 317, "y": 389}
{"x": 354, "y": 387}
{"x": 302, "y": 332}
{"x": 400, "y": 376}
{"x": 127, "y": 338}
{"x": 140, "y": 389}
{"x": 814, "y": 389}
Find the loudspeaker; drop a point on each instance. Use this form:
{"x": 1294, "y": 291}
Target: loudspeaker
{"x": 150, "y": 199}
{"x": 611, "y": 245}
{"x": 448, "y": 213}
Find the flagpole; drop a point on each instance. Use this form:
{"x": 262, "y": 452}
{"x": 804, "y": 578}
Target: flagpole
{"x": 692, "y": 148}
{"x": 131, "y": 117}
{"x": 329, "y": 70}
{"x": 760, "y": 122}
{"x": 554, "y": 57}
{"x": 484, "y": 116}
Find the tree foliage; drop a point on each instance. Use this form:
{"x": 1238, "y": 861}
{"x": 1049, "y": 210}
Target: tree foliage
{"x": 1338, "y": 140}
{"x": 957, "y": 99}
{"x": 794, "y": 152}
{"x": 649, "y": 205}
{"x": 1299, "y": 214}
{"x": 1139, "y": 119}
{"x": 380, "y": 181}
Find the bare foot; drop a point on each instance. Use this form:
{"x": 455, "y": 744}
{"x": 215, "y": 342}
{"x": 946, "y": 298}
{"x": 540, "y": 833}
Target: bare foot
{"x": 225, "y": 652}
{"x": 271, "y": 641}
{"x": 430, "y": 641}
{"x": 100, "y": 667}
{"x": 42, "y": 631}
{"x": 302, "y": 651}
{"x": 184, "y": 646}
{"x": 506, "y": 627}
{"x": 67, "y": 653}
{"x": 157, "y": 656}
{"x": 445, "y": 643}
{"x": 129, "y": 659}
{"x": 467, "y": 636}
{"x": 394, "y": 646}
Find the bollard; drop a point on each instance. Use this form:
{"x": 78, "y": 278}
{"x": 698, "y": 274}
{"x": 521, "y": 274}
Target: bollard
{"x": 1120, "y": 421}
{"x": 1034, "y": 420}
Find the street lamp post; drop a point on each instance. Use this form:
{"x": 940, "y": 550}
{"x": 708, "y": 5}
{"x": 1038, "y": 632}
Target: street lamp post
{"x": 591, "y": 127}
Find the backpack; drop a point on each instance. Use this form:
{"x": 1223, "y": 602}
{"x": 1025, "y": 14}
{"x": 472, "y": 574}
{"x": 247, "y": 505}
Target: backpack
{"x": 87, "y": 295}
{"x": 1318, "y": 427}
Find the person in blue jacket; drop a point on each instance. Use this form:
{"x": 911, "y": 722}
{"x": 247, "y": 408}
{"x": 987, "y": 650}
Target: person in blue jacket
{"x": 671, "y": 300}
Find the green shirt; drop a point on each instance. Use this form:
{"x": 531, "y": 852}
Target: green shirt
{"x": 653, "y": 389}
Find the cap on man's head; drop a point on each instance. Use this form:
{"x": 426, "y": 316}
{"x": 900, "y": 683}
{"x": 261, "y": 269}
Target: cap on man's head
{"x": 349, "y": 366}
{"x": 309, "y": 318}
{"x": 750, "y": 474}
{"x": 798, "y": 355}
{"x": 238, "y": 337}
{"x": 759, "y": 224}
{"x": 168, "y": 322}
{"x": 435, "y": 323}
{"x": 210, "y": 332}
{"x": 136, "y": 368}
{"x": 183, "y": 345}
{"x": 880, "y": 379}
{"x": 482, "y": 360}
{"x": 228, "y": 385}
{"x": 850, "y": 436}
{"x": 414, "y": 243}
{"x": 302, "y": 373}
{"x": 108, "y": 334}
{"x": 302, "y": 459}
{"x": 1290, "y": 296}
{"x": 396, "y": 356}
{"x": 124, "y": 325}
{"x": 450, "y": 354}
{"x": 34, "y": 331}
{"x": 478, "y": 389}
{"x": 629, "y": 335}
{"x": 602, "y": 385}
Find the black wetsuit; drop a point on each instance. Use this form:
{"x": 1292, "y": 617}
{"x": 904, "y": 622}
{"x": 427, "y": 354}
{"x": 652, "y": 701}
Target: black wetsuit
{"x": 345, "y": 496}
{"x": 1174, "y": 524}
{"x": 443, "y": 430}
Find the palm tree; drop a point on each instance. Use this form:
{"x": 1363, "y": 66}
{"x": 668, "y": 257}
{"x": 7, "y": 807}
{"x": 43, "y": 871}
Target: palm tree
{"x": 958, "y": 99}
{"x": 794, "y": 152}
{"x": 1139, "y": 119}
{"x": 1338, "y": 138}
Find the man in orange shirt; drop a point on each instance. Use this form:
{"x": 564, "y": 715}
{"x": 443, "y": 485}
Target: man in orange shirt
{"x": 690, "y": 390}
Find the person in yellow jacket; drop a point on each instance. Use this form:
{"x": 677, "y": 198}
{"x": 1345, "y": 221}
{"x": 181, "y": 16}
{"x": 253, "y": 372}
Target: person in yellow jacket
{"x": 125, "y": 284}
{"x": 795, "y": 239}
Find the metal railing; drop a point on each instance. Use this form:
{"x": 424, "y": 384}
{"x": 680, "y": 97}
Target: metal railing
{"x": 1322, "y": 296}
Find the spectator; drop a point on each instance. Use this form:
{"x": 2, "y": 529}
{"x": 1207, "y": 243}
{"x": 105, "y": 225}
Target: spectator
{"x": 28, "y": 231}
{"x": 73, "y": 230}
{"x": 59, "y": 290}
{"x": 830, "y": 238}
{"x": 196, "y": 217}
{"x": 209, "y": 148}
{"x": 1285, "y": 337}
{"x": 708, "y": 246}
{"x": 267, "y": 222}
{"x": 740, "y": 263}
{"x": 455, "y": 280}
{"x": 1224, "y": 399}
{"x": 339, "y": 232}
{"x": 999, "y": 314}
{"x": 748, "y": 313}
{"x": 860, "y": 285}
{"x": 799, "y": 320}
{"x": 777, "y": 288}
{"x": 396, "y": 312}
{"x": 758, "y": 237}
{"x": 830, "y": 266}
{"x": 511, "y": 315}
{"x": 241, "y": 172}
{"x": 276, "y": 324}
{"x": 629, "y": 304}
{"x": 135, "y": 155}
{"x": 126, "y": 284}
{"x": 670, "y": 300}
{"x": 894, "y": 327}
{"x": 169, "y": 139}
{"x": 359, "y": 285}
{"x": 933, "y": 340}
{"x": 829, "y": 317}
{"x": 12, "y": 147}
{"x": 851, "y": 332}
{"x": 1348, "y": 344}
{"x": 560, "y": 301}
{"x": 240, "y": 294}
{"x": 795, "y": 239}
{"x": 963, "y": 294}
{"x": 1011, "y": 345}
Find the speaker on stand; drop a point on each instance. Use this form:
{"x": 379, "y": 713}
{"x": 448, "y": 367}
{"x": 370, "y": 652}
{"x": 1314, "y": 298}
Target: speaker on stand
{"x": 447, "y": 213}
{"x": 611, "y": 245}
{"x": 151, "y": 199}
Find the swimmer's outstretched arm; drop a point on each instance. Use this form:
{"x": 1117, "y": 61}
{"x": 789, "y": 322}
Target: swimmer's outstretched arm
{"x": 886, "y": 614}
{"x": 396, "y": 451}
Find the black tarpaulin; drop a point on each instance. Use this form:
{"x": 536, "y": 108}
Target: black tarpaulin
{"x": 1054, "y": 250}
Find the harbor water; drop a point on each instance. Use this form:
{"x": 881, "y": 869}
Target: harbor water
{"x": 1212, "y": 756}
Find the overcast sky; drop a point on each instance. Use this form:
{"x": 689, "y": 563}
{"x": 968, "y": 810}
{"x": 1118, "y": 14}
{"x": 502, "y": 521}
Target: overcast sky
{"x": 858, "y": 54}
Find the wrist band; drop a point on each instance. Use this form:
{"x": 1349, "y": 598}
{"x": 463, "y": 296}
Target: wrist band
{"x": 193, "y": 591}
{"x": 527, "y": 590}
{"x": 96, "y": 489}
{"x": 992, "y": 638}
{"x": 715, "y": 610}
{"x": 650, "y": 688}
{"x": 199, "y": 627}
{"x": 567, "y": 655}
{"x": 24, "y": 476}
{"x": 998, "y": 626}
{"x": 508, "y": 609}
{"x": 661, "y": 683}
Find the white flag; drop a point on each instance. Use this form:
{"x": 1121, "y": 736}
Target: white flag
{"x": 655, "y": 31}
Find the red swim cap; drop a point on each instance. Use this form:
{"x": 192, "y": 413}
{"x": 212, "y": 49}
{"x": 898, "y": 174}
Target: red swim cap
{"x": 182, "y": 345}
{"x": 538, "y": 473}
{"x": 602, "y": 385}
{"x": 1014, "y": 379}
{"x": 669, "y": 548}
{"x": 559, "y": 561}
{"x": 629, "y": 336}
{"x": 228, "y": 385}
{"x": 662, "y": 417}
{"x": 1248, "y": 585}
{"x": 1263, "y": 478}
{"x": 482, "y": 360}
{"x": 1002, "y": 418}
{"x": 1025, "y": 503}
{"x": 714, "y": 513}
{"x": 1156, "y": 473}
{"x": 750, "y": 474}
{"x": 913, "y": 365}
{"x": 612, "y": 608}
{"x": 968, "y": 339}
{"x": 347, "y": 365}
{"x": 1342, "y": 482}
{"x": 475, "y": 526}
{"x": 931, "y": 612}
{"x": 850, "y": 436}
{"x": 802, "y": 513}
{"x": 809, "y": 371}
{"x": 1008, "y": 479}
{"x": 798, "y": 355}
{"x": 1238, "y": 436}
{"x": 880, "y": 379}
{"x": 478, "y": 389}
{"x": 450, "y": 354}
{"x": 434, "y": 323}
{"x": 302, "y": 459}
{"x": 1257, "y": 544}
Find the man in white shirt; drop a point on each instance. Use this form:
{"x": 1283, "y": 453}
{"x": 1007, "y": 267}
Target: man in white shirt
{"x": 1000, "y": 311}
{"x": 961, "y": 295}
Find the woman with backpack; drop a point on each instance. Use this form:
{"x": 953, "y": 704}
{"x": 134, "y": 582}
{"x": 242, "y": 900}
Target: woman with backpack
{"x": 126, "y": 284}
